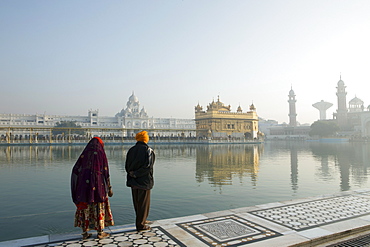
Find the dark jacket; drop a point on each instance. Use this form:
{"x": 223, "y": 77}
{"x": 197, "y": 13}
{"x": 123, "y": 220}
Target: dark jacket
{"x": 140, "y": 161}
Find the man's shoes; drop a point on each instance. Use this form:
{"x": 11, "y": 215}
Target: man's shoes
{"x": 145, "y": 228}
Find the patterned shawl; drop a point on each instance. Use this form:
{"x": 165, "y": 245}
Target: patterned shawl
{"x": 90, "y": 174}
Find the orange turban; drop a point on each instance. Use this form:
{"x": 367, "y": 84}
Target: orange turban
{"x": 142, "y": 136}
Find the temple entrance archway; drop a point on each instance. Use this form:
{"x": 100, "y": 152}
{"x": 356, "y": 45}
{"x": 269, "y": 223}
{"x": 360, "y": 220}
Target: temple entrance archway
{"x": 248, "y": 135}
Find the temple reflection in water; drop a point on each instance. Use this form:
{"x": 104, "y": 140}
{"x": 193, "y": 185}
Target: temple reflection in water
{"x": 351, "y": 161}
{"x": 220, "y": 163}
{"x": 346, "y": 164}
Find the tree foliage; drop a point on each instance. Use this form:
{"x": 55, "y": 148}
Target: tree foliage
{"x": 323, "y": 128}
{"x": 67, "y": 127}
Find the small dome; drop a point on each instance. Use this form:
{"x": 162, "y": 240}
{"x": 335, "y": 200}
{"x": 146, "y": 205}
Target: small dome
{"x": 133, "y": 98}
{"x": 356, "y": 101}
{"x": 340, "y": 82}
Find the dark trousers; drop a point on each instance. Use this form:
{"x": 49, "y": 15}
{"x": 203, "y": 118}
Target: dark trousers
{"x": 141, "y": 200}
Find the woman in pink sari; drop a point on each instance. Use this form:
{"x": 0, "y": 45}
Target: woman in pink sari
{"x": 90, "y": 186}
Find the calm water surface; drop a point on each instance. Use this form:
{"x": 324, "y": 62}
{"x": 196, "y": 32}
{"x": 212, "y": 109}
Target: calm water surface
{"x": 189, "y": 179}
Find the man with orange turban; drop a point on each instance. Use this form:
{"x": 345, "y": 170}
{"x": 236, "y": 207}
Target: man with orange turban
{"x": 139, "y": 167}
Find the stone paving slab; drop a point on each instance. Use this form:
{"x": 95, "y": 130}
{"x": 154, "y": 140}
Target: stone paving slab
{"x": 302, "y": 222}
{"x": 315, "y": 213}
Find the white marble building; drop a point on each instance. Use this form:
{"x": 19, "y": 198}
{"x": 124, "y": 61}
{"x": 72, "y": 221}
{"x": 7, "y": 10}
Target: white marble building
{"x": 131, "y": 118}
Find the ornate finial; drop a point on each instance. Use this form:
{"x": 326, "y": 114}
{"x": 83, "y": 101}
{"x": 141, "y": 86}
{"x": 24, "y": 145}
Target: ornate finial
{"x": 239, "y": 108}
{"x": 251, "y": 107}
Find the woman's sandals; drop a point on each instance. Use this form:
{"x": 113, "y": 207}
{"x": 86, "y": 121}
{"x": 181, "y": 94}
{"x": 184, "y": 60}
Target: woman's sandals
{"x": 102, "y": 235}
{"x": 86, "y": 235}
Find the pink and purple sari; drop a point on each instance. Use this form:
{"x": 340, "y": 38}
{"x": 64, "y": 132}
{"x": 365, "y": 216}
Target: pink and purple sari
{"x": 89, "y": 187}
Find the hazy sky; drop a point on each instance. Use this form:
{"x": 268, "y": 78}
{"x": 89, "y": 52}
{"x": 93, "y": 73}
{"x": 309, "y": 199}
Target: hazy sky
{"x": 66, "y": 57}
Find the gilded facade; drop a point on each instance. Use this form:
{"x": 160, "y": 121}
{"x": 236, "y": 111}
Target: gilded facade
{"x": 219, "y": 122}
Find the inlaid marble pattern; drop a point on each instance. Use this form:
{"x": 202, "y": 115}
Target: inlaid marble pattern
{"x": 157, "y": 236}
{"x": 228, "y": 230}
{"x": 315, "y": 213}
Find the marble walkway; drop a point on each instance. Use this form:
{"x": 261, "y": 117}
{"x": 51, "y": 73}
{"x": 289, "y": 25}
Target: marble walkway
{"x": 316, "y": 221}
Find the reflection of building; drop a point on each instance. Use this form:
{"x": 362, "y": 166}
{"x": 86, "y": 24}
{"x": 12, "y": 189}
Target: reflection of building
{"x": 48, "y": 154}
{"x": 294, "y": 167}
{"x": 219, "y": 122}
{"x": 348, "y": 160}
{"x": 219, "y": 163}
{"x": 131, "y": 117}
